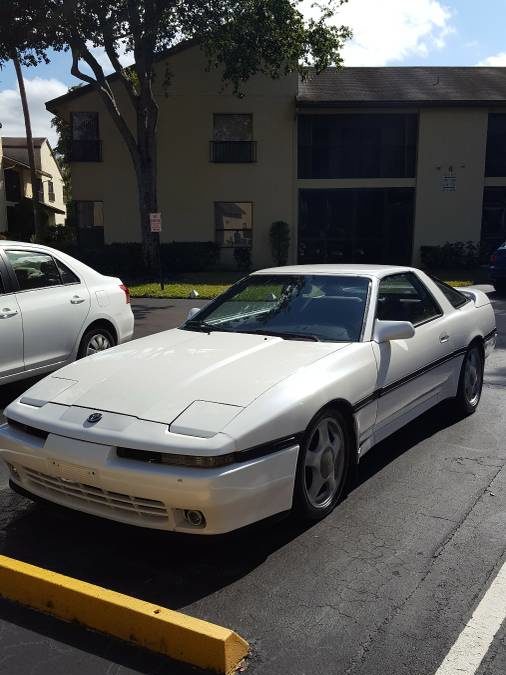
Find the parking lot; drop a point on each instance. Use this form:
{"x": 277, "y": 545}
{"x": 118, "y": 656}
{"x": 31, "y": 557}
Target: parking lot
{"x": 384, "y": 585}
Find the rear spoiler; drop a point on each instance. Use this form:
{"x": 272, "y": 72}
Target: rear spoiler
{"x": 478, "y": 294}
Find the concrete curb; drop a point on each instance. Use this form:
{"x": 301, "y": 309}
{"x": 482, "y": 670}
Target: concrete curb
{"x": 158, "y": 629}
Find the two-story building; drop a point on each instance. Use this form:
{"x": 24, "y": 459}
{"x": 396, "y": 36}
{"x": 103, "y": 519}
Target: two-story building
{"x": 365, "y": 164}
{"x": 17, "y": 191}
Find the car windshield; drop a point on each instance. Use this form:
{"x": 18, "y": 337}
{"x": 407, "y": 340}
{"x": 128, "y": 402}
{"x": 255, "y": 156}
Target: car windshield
{"x": 302, "y": 307}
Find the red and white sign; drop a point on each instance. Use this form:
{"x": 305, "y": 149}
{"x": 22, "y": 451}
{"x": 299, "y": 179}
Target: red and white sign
{"x": 155, "y": 221}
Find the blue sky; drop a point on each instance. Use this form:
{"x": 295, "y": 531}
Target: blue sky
{"x": 387, "y": 32}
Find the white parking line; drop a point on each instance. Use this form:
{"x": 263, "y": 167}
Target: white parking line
{"x": 467, "y": 653}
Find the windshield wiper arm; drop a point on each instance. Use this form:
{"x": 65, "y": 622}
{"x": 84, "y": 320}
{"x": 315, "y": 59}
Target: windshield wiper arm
{"x": 286, "y": 336}
{"x": 204, "y": 326}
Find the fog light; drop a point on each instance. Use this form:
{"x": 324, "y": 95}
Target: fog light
{"x": 195, "y": 518}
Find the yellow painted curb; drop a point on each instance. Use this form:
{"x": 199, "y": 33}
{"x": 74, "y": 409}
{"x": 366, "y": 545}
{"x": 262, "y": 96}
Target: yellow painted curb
{"x": 156, "y": 628}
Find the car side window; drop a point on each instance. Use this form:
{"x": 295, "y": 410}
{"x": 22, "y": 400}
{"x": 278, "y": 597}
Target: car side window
{"x": 403, "y": 297}
{"x": 454, "y": 297}
{"x": 67, "y": 276}
{"x": 33, "y": 269}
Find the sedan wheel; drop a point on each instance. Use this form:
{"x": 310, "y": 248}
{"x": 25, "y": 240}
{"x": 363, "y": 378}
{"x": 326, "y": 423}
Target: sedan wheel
{"x": 323, "y": 466}
{"x": 98, "y": 343}
{"x": 94, "y": 341}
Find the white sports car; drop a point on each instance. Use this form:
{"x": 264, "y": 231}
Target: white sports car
{"x": 262, "y": 402}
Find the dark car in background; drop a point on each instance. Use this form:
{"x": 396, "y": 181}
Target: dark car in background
{"x": 497, "y": 268}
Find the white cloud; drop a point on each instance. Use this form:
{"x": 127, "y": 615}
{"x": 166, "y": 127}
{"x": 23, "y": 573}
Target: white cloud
{"x": 125, "y": 58}
{"x": 38, "y": 91}
{"x": 389, "y": 31}
{"x": 495, "y": 60}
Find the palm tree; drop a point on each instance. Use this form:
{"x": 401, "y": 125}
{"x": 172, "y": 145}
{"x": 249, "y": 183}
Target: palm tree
{"x": 29, "y": 144}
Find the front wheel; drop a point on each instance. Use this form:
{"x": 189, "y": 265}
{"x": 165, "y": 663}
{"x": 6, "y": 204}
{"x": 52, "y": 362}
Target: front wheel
{"x": 470, "y": 380}
{"x": 323, "y": 466}
{"x": 95, "y": 340}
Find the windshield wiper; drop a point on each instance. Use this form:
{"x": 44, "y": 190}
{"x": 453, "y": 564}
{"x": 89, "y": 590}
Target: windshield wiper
{"x": 286, "y": 336}
{"x": 204, "y": 326}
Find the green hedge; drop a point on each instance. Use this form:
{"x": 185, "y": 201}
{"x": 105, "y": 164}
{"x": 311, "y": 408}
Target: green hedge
{"x": 125, "y": 260}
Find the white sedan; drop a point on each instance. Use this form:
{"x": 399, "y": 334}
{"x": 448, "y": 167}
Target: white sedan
{"x": 262, "y": 402}
{"x": 54, "y": 309}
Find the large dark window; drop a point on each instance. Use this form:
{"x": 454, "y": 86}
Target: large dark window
{"x": 357, "y": 146}
{"x": 90, "y": 222}
{"x": 233, "y": 139}
{"x": 13, "y": 191}
{"x": 370, "y": 225}
{"x": 86, "y": 144}
{"x": 496, "y": 145}
{"x": 493, "y": 224}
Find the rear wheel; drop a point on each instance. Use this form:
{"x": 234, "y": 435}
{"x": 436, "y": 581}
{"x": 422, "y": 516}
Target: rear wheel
{"x": 96, "y": 339}
{"x": 323, "y": 466}
{"x": 471, "y": 380}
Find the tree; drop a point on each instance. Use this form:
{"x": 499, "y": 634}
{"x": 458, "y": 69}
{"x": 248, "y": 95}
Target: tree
{"x": 22, "y": 46}
{"x": 279, "y": 236}
{"x": 242, "y": 37}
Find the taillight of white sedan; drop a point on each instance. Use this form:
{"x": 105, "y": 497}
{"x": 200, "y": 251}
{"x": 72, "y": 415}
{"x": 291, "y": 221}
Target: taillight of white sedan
{"x": 54, "y": 310}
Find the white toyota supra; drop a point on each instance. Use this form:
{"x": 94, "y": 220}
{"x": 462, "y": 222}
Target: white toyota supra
{"x": 262, "y": 402}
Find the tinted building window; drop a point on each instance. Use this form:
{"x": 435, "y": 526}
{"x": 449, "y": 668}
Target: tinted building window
{"x": 496, "y": 145}
{"x": 86, "y": 145}
{"x": 233, "y": 223}
{"x": 493, "y": 224}
{"x": 357, "y": 146}
{"x": 369, "y": 225}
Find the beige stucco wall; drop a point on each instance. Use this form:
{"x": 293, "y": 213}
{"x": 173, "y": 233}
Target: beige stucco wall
{"x": 455, "y": 138}
{"x": 189, "y": 183}
{"x": 49, "y": 165}
{"x": 3, "y": 211}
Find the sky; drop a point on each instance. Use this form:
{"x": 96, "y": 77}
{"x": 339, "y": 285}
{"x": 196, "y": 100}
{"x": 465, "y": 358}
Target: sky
{"x": 386, "y": 33}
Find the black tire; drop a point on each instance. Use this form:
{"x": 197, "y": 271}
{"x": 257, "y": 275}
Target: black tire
{"x": 469, "y": 391}
{"x": 103, "y": 338}
{"x": 500, "y": 287}
{"x": 305, "y": 505}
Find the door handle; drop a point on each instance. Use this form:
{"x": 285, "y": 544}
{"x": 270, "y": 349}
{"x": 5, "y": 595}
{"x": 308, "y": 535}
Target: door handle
{"x": 76, "y": 300}
{"x": 444, "y": 337}
{"x": 7, "y": 312}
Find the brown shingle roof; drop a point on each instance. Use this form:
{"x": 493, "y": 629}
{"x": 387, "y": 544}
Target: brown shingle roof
{"x": 419, "y": 85}
{"x": 20, "y": 142}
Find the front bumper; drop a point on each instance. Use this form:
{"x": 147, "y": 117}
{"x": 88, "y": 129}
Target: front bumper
{"x": 91, "y": 478}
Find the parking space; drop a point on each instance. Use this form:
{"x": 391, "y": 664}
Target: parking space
{"x": 386, "y": 584}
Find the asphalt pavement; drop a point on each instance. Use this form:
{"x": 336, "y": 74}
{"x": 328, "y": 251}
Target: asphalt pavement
{"x": 383, "y": 586}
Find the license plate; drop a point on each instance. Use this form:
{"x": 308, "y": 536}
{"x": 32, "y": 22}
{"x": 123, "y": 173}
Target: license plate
{"x": 72, "y": 473}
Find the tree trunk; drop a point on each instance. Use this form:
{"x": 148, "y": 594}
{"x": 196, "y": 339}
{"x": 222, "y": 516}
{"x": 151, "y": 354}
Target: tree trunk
{"x": 31, "y": 153}
{"x": 147, "y": 116}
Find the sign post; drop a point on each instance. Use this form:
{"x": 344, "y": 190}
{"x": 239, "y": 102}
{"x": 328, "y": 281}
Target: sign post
{"x": 155, "y": 222}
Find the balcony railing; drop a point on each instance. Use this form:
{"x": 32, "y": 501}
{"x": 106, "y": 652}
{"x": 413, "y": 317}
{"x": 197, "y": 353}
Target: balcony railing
{"x": 233, "y": 152}
{"x": 86, "y": 151}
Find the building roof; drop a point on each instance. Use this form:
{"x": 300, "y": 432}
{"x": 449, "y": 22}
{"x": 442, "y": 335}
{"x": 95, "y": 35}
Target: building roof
{"x": 20, "y": 141}
{"x": 18, "y": 162}
{"x": 339, "y": 87}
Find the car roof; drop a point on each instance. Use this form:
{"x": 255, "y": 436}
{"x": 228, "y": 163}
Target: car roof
{"x": 341, "y": 269}
{"x": 25, "y": 244}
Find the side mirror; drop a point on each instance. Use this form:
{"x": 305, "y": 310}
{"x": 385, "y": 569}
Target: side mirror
{"x": 193, "y": 311}
{"x": 384, "y": 331}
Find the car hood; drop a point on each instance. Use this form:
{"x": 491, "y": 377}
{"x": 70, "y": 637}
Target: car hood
{"x": 158, "y": 377}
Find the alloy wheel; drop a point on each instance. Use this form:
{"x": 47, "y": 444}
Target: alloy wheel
{"x": 324, "y": 464}
{"x": 473, "y": 375}
{"x": 98, "y": 343}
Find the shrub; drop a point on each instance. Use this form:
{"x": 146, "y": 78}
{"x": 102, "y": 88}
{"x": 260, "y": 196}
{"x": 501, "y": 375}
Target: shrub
{"x": 456, "y": 255}
{"x": 280, "y": 241}
{"x": 242, "y": 256}
{"x": 125, "y": 260}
